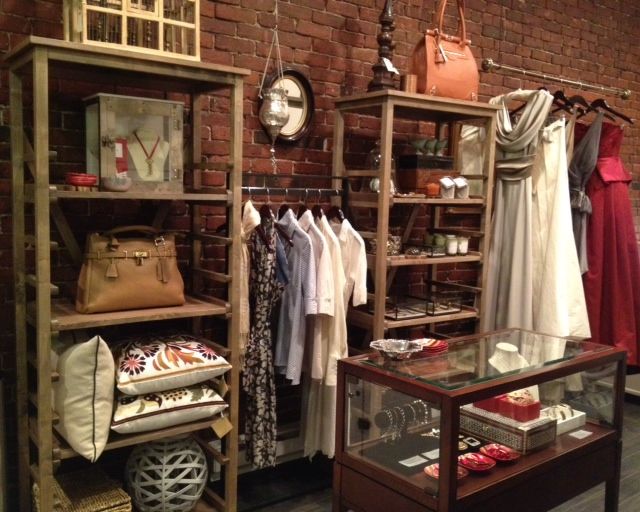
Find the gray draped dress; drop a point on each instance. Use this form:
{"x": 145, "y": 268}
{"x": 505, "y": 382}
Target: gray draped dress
{"x": 583, "y": 163}
{"x": 509, "y": 288}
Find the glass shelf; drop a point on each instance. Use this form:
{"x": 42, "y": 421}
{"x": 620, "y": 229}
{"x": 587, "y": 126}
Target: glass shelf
{"x": 482, "y": 358}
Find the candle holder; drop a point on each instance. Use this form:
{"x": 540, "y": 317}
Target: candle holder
{"x": 384, "y": 72}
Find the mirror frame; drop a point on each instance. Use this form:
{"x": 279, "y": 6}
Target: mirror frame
{"x": 308, "y": 105}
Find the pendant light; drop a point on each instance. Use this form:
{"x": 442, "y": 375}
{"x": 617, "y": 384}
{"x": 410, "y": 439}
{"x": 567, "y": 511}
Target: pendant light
{"x": 274, "y": 110}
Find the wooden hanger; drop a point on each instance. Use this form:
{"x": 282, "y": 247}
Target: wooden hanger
{"x": 302, "y": 206}
{"x": 335, "y": 212}
{"x": 317, "y": 209}
{"x": 563, "y": 103}
{"x": 601, "y": 103}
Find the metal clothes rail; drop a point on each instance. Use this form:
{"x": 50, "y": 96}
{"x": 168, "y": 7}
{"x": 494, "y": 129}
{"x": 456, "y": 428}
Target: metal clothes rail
{"x": 491, "y": 65}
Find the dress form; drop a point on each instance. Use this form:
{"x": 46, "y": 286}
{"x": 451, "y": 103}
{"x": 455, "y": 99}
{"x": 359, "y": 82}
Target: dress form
{"x": 506, "y": 358}
{"x": 148, "y": 152}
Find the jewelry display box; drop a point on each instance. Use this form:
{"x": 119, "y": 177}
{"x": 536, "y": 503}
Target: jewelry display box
{"x": 160, "y": 27}
{"x": 140, "y": 139}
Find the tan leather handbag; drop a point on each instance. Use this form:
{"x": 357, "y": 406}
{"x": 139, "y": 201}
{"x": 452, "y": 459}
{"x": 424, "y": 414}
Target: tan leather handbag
{"x": 444, "y": 64}
{"x": 129, "y": 272}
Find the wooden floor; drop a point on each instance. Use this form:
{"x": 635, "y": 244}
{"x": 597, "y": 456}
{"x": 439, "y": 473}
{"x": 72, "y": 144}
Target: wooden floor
{"x": 591, "y": 501}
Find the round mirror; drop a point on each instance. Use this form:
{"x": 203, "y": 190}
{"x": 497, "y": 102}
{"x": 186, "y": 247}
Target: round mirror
{"x": 300, "y": 99}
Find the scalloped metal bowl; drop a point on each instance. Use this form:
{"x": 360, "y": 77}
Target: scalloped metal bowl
{"x": 395, "y": 350}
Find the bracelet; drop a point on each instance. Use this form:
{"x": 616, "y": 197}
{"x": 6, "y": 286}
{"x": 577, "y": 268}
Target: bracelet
{"x": 402, "y": 424}
{"x": 413, "y": 412}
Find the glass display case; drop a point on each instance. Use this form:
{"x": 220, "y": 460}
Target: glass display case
{"x": 479, "y": 425}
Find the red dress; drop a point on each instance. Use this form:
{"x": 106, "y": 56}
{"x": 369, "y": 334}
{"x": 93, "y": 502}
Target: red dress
{"x": 612, "y": 283}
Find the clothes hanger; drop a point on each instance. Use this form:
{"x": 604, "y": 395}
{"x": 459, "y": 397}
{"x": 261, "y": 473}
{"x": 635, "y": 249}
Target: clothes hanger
{"x": 563, "y": 103}
{"x": 303, "y": 204}
{"x": 601, "y": 103}
{"x": 317, "y": 209}
{"x": 335, "y": 212}
{"x": 284, "y": 207}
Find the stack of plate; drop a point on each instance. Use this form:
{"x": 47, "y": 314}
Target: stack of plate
{"x": 432, "y": 346}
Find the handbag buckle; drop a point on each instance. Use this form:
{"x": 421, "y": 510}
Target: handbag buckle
{"x": 140, "y": 256}
{"x": 159, "y": 241}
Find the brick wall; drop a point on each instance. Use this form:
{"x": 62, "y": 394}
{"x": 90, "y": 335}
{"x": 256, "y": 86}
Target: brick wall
{"x": 334, "y": 43}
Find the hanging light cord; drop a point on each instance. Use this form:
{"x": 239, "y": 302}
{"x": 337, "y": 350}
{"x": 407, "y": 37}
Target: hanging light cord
{"x": 275, "y": 42}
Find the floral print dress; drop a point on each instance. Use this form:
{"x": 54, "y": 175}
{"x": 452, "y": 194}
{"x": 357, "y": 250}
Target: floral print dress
{"x": 258, "y": 375}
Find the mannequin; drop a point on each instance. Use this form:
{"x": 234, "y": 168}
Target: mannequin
{"x": 506, "y": 358}
{"x": 148, "y": 153}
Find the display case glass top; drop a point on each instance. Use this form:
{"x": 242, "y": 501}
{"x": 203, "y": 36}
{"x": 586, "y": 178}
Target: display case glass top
{"x": 486, "y": 357}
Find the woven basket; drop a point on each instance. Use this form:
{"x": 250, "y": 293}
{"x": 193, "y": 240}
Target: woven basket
{"x": 85, "y": 491}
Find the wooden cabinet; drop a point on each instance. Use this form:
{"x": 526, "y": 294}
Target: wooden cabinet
{"x": 445, "y": 115}
{"x": 44, "y": 309}
{"x": 396, "y": 418}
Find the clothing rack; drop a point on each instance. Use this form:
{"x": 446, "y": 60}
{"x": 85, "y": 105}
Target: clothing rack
{"x": 294, "y": 176}
{"x": 490, "y": 65}
{"x": 309, "y": 192}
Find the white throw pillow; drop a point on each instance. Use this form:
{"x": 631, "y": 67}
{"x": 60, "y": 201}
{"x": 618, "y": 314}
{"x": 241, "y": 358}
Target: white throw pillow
{"x": 154, "y": 411}
{"x": 152, "y": 364}
{"x": 83, "y": 395}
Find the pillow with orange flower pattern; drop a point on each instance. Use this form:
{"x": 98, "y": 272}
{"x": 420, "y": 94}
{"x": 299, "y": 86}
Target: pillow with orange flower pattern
{"x": 152, "y": 364}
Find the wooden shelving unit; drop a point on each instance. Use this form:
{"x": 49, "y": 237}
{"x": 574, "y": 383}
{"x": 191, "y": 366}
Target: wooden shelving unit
{"x": 33, "y": 66}
{"x": 390, "y": 106}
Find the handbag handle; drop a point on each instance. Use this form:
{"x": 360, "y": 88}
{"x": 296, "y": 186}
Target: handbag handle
{"x": 149, "y": 230}
{"x": 462, "y": 26}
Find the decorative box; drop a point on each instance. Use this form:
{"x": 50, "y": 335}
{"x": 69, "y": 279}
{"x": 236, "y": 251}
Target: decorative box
{"x": 521, "y": 436}
{"x": 160, "y": 27}
{"x": 421, "y": 180}
{"x": 517, "y": 411}
{"x": 136, "y": 137}
{"x": 489, "y": 404}
{"x": 430, "y": 162}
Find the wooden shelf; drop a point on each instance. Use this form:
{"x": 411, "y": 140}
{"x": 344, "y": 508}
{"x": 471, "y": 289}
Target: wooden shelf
{"x": 416, "y": 106}
{"x": 396, "y": 261}
{"x": 64, "y": 317}
{"x": 365, "y": 319}
{"x": 123, "y": 440}
{"x": 370, "y": 200}
{"x": 150, "y": 195}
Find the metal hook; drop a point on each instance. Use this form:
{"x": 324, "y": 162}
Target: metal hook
{"x": 268, "y": 196}
{"x": 286, "y": 193}
{"x": 306, "y": 195}
{"x": 319, "y": 195}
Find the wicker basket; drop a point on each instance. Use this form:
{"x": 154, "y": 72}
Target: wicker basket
{"x": 85, "y": 491}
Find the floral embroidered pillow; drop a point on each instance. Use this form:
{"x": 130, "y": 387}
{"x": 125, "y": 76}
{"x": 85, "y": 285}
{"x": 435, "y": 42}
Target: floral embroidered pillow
{"x": 157, "y": 363}
{"x": 153, "y": 411}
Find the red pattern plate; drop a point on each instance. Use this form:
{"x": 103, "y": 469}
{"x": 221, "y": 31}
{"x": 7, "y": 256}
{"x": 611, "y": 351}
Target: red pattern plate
{"x": 500, "y": 452}
{"x": 434, "y": 471}
{"x": 476, "y": 461}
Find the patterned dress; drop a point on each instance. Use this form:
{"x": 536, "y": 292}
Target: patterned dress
{"x": 258, "y": 376}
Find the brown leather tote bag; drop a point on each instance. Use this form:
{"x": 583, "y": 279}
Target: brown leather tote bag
{"x": 443, "y": 63}
{"x": 131, "y": 272}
